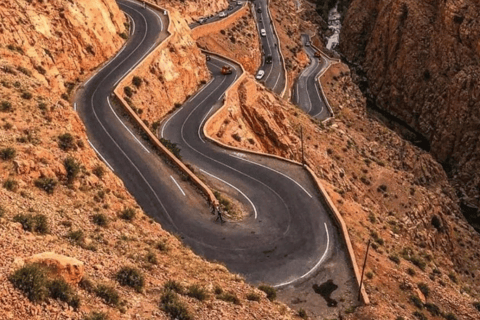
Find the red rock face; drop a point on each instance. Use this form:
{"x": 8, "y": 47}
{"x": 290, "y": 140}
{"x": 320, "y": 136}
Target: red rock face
{"x": 422, "y": 61}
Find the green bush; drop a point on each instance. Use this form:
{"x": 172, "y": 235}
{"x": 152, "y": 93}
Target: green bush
{"x": 450, "y": 316}
{"x": 270, "y": 291}
{"x": 411, "y": 272}
{"x": 128, "y": 214}
{"x": 172, "y": 147}
{"x": 394, "y": 258}
{"x": 11, "y": 184}
{"x": 66, "y": 142}
{"x": 197, "y": 292}
{"x": 433, "y": 309}
{"x": 46, "y": 184}
{"x": 129, "y": 276}
{"x": 151, "y": 257}
{"x": 218, "y": 290}
{"x": 476, "y": 305}
{"x": 72, "y": 167}
{"x": 26, "y": 95}
{"x": 96, "y": 316}
{"x": 170, "y": 303}
{"x": 100, "y": 219}
{"x": 32, "y": 281}
{"x": 252, "y": 296}
{"x": 33, "y": 223}
{"x": 137, "y": 81}
{"x": 6, "y": 106}
{"x": 108, "y": 294}
{"x": 229, "y": 297}
{"x": 161, "y": 246}
{"x": 8, "y": 153}
{"x": 419, "y": 315}
{"x": 416, "y": 302}
{"x": 123, "y": 35}
{"x": 172, "y": 285}
{"x": 369, "y": 275}
{"x": 60, "y": 290}
{"x": 2, "y": 211}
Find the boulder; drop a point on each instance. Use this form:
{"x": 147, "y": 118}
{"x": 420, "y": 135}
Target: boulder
{"x": 70, "y": 269}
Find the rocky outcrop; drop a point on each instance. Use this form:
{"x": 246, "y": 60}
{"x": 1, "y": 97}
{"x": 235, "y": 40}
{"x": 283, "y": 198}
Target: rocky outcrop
{"x": 421, "y": 59}
{"x": 70, "y": 269}
{"x": 168, "y": 76}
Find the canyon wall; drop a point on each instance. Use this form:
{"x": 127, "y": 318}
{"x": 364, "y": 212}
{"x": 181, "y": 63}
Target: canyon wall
{"x": 421, "y": 59}
{"x": 192, "y": 10}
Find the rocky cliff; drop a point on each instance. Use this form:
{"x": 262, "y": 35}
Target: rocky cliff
{"x": 421, "y": 59}
{"x": 56, "y": 195}
{"x": 192, "y": 10}
{"x": 424, "y": 253}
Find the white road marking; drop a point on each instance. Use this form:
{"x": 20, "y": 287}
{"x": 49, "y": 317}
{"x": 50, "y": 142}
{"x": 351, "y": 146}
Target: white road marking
{"x": 166, "y": 122}
{"x": 280, "y": 173}
{"x": 178, "y": 185}
{"x": 314, "y": 267}
{"x": 104, "y": 160}
{"x": 110, "y": 105}
{"x": 243, "y": 194}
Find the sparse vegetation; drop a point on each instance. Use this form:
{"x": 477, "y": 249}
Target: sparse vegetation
{"x": 66, "y": 142}
{"x": 33, "y": 281}
{"x": 151, "y": 257}
{"x": 424, "y": 289}
{"x": 128, "y": 214}
{"x": 161, "y": 246}
{"x": 419, "y": 315}
{"x": 11, "y": 184}
{"x": 476, "y": 305}
{"x": 171, "y": 304}
{"x": 132, "y": 277}
{"x": 270, "y": 291}
{"x": 394, "y": 258}
{"x": 8, "y": 153}
{"x": 137, "y": 81}
{"x": 72, "y": 167}
{"x": 172, "y": 147}
{"x": 252, "y": 296}
{"x": 100, "y": 219}
{"x": 76, "y": 237}
{"x": 46, "y": 184}
{"x": 369, "y": 275}
{"x": 6, "y": 106}
{"x": 416, "y": 302}
{"x": 96, "y": 316}
{"x": 128, "y": 91}
{"x": 433, "y": 309}
{"x": 33, "y": 223}
{"x": 229, "y": 297}
{"x": 302, "y": 313}
{"x": 172, "y": 285}
{"x": 108, "y": 294}
{"x": 99, "y": 171}
{"x": 197, "y": 292}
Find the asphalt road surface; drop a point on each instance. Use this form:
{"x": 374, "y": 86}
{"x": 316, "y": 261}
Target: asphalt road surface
{"x": 307, "y": 93}
{"x": 232, "y": 8}
{"x": 287, "y": 233}
{"x": 275, "y": 76}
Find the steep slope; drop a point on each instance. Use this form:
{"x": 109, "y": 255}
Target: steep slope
{"x": 167, "y": 77}
{"x": 421, "y": 59}
{"x": 56, "y": 194}
{"x": 192, "y": 10}
{"x": 386, "y": 189}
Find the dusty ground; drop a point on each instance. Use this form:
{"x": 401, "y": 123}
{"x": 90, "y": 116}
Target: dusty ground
{"x": 387, "y": 190}
{"x": 239, "y": 41}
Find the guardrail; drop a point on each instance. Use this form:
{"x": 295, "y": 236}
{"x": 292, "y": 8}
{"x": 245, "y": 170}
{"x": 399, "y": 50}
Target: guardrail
{"x": 213, "y": 200}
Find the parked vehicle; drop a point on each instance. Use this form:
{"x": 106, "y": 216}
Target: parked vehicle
{"x": 260, "y": 74}
{"x": 226, "y": 70}
{"x": 222, "y": 14}
{"x": 263, "y": 33}
{"x": 202, "y": 20}
{"x": 259, "y": 10}
{"x": 268, "y": 59}
{"x": 307, "y": 44}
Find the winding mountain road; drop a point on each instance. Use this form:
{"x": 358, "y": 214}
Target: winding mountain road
{"x": 306, "y": 92}
{"x": 287, "y": 233}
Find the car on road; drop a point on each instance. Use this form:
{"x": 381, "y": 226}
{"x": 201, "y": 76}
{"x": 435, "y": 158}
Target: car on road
{"x": 268, "y": 59}
{"x": 222, "y": 14}
{"x": 307, "y": 44}
{"x": 202, "y": 20}
{"x": 226, "y": 70}
{"x": 259, "y": 10}
{"x": 260, "y": 74}
{"x": 239, "y": 3}
{"x": 263, "y": 33}
{"x": 207, "y": 57}
{"x": 230, "y": 8}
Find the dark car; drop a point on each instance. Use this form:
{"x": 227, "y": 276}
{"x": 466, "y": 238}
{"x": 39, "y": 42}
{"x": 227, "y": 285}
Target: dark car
{"x": 207, "y": 57}
{"x": 259, "y": 10}
{"x": 268, "y": 59}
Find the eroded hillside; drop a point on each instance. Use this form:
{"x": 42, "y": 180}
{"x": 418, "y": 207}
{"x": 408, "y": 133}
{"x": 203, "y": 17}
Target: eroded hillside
{"x": 421, "y": 60}
{"x": 386, "y": 189}
{"x": 192, "y": 10}
{"x": 57, "y": 195}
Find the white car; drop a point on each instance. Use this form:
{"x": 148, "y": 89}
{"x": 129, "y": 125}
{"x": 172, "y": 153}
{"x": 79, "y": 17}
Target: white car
{"x": 239, "y": 3}
{"x": 222, "y": 14}
{"x": 263, "y": 33}
{"x": 260, "y": 74}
